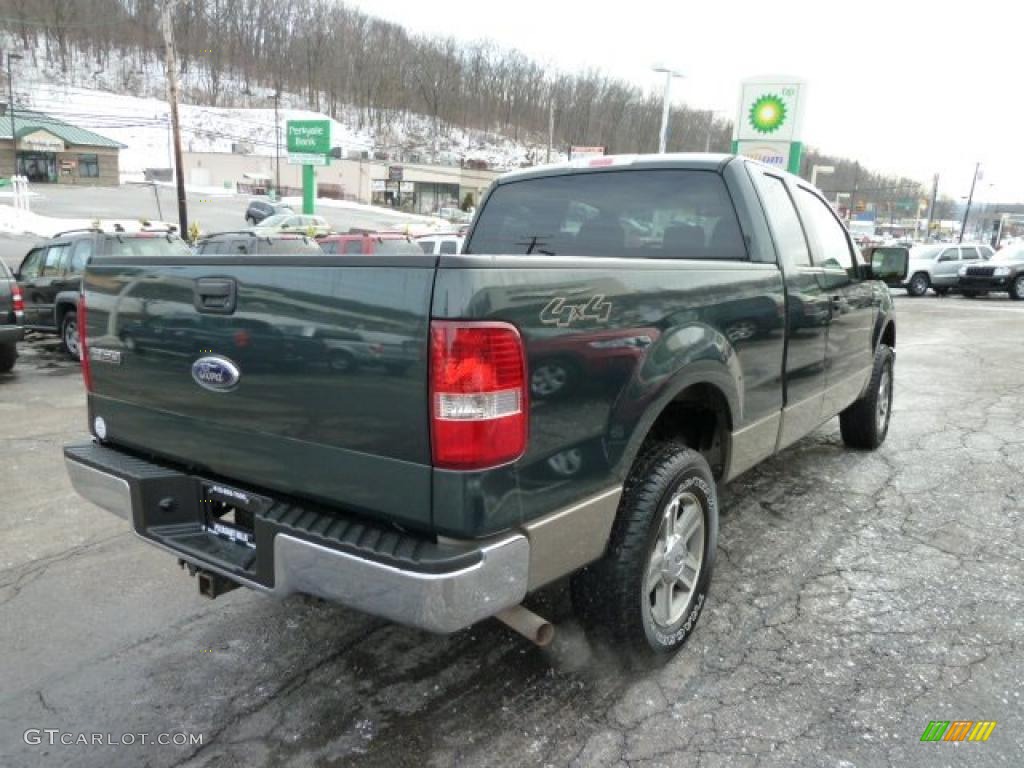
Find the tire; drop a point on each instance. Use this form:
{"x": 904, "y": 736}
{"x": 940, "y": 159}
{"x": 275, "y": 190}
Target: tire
{"x": 865, "y": 423}
{"x": 625, "y": 595}
{"x": 969, "y": 294}
{"x": 1017, "y": 288}
{"x": 8, "y": 356}
{"x": 940, "y": 291}
{"x": 918, "y": 284}
{"x": 552, "y": 378}
{"x": 69, "y": 334}
{"x": 343, "y": 362}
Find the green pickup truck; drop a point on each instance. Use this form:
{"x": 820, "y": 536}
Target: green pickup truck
{"x": 618, "y": 337}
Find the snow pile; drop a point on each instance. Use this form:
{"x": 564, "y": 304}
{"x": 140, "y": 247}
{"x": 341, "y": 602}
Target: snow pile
{"x": 18, "y": 222}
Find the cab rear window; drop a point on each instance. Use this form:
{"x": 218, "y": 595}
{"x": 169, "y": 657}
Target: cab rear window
{"x": 661, "y": 214}
{"x": 146, "y": 246}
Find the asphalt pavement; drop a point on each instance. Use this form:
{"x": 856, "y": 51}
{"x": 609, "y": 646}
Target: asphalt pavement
{"x": 857, "y": 597}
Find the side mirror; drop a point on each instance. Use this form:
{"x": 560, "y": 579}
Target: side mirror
{"x": 890, "y": 265}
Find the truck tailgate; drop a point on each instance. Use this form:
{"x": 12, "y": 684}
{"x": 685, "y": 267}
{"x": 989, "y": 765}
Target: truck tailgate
{"x": 316, "y": 382}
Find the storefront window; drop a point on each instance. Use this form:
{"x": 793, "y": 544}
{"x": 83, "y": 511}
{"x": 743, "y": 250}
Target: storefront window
{"x": 88, "y": 166}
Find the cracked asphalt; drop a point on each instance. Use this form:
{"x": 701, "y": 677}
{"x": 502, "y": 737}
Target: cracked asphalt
{"x": 857, "y": 597}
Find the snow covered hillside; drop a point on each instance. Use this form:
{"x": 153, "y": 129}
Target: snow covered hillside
{"x": 125, "y": 102}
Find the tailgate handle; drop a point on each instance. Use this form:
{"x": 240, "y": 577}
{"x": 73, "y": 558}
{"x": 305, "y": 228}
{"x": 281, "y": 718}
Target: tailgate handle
{"x": 215, "y": 295}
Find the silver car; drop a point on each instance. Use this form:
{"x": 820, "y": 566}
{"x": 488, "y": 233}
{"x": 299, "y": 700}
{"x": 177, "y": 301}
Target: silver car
{"x": 938, "y": 266}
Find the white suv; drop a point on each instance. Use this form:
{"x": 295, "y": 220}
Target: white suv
{"x": 441, "y": 243}
{"x": 938, "y": 266}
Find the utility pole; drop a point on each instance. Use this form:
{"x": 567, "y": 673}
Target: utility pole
{"x": 277, "y": 145}
{"x": 551, "y": 127}
{"x": 10, "y": 95}
{"x": 970, "y": 199}
{"x": 167, "y": 25}
{"x": 931, "y": 206}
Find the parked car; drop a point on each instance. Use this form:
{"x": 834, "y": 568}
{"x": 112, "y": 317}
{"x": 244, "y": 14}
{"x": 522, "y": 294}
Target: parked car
{"x": 441, "y": 243}
{"x": 50, "y": 276}
{"x": 315, "y": 226}
{"x": 1004, "y": 273}
{"x": 259, "y": 210}
{"x": 12, "y": 318}
{"x": 250, "y": 242}
{"x": 440, "y": 492}
{"x": 382, "y": 243}
{"x": 938, "y": 266}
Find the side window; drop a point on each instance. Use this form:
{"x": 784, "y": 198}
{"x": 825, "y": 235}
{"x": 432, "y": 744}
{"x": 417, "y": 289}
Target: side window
{"x": 330, "y": 246}
{"x": 30, "y": 268}
{"x": 969, "y": 254}
{"x": 80, "y": 256}
{"x": 54, "y": 256}
{"x": 831, "y": 245}
{"x": 950, "y": 254}
{"x": 986, "y": 252}
{"x": 785, "y": 224}
{"x": 449, "y": 246}
{"x": 353, "y": 246}
{"x": 427, "y": 246}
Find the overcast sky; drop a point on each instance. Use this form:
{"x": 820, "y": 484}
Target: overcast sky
{"x": 906, "y": 87}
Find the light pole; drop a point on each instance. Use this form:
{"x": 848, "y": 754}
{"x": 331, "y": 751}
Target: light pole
{"x": 970, "y": 199}
{"x": 669, "y": 74}
{"x": 822, "y": 169}
{"x": 10, "y": 97}
{"x": 277, "y": 146}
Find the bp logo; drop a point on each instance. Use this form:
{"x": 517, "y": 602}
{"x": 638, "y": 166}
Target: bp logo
{"x": 768, "y": 113}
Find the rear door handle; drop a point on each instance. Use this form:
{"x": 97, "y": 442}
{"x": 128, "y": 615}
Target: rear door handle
{"x": 215, "y": 295}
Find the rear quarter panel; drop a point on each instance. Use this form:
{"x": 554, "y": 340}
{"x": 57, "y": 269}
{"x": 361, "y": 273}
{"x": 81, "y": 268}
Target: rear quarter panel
{"x": 630, "y": 334}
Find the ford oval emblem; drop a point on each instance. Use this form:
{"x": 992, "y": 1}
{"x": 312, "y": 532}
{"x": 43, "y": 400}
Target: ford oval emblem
{"x": 218, "y": 374}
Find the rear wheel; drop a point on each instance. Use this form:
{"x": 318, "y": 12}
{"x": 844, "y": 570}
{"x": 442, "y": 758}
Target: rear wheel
{"x": 8, "y": 354}
{"x": 918, "y": 285}
{"x": 649, "y": 588}
{"x": 865, "y": 423}
{"x": 69, "y": 334}
{"x": 1017, "y": 288}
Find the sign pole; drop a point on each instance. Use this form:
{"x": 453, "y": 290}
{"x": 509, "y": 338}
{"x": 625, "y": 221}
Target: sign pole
{"x": 308, "y": 190}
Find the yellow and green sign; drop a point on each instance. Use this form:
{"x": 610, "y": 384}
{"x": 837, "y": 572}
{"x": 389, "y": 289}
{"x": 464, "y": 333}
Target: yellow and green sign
{"x": 769, "y": 121}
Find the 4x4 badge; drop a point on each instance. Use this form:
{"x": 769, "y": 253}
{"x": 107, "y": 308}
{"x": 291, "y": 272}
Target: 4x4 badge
{"x": 562, "y": 313}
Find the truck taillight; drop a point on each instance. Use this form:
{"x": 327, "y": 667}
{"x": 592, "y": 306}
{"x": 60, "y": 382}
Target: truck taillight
{"x": 477, "y": 394}
{"x": 83, "y": 343}
{"x": 17, "y": 301}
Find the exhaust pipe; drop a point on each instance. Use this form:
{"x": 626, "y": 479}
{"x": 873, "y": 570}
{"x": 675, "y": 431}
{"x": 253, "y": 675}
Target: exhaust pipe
{"x": 534, "y": 628}
{"x": 213, "y": 584}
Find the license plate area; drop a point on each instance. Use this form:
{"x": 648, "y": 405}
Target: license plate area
{"x": 229, "y": 513}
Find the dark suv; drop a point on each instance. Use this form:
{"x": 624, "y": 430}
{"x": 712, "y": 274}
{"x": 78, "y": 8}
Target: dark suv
{"x": 50, "y": 276}
{"x": 259, "y": 210}
{"x": 12, "y": 315}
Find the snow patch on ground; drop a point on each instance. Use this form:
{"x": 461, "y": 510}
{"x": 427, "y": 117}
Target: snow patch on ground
{"x": 18, "y": 222}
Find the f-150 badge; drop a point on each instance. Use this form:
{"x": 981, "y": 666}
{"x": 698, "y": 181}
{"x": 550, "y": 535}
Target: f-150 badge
{"x": 563, "y": 312}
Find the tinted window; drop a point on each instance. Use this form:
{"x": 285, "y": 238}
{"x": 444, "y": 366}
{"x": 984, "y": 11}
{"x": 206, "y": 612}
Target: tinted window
{"x": 831, "y": 246}
{"x": 147, "y": 247}
{"x": 80, "y": 255}
{"x": 969, "y": 254}
{"x": 785, "y": 224}
{"x": 330, "y": 246}
{"x": 54, "y": 255}
{"x": 30, "y": 266}
{"x": 353, "y": 246}
{"x": 950, "y": 254}
{"x": 397, "y": 248}
{"x": 449, "y": 246}
{"x": 427, "y": 246}
{"x": 634, "y": 213}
